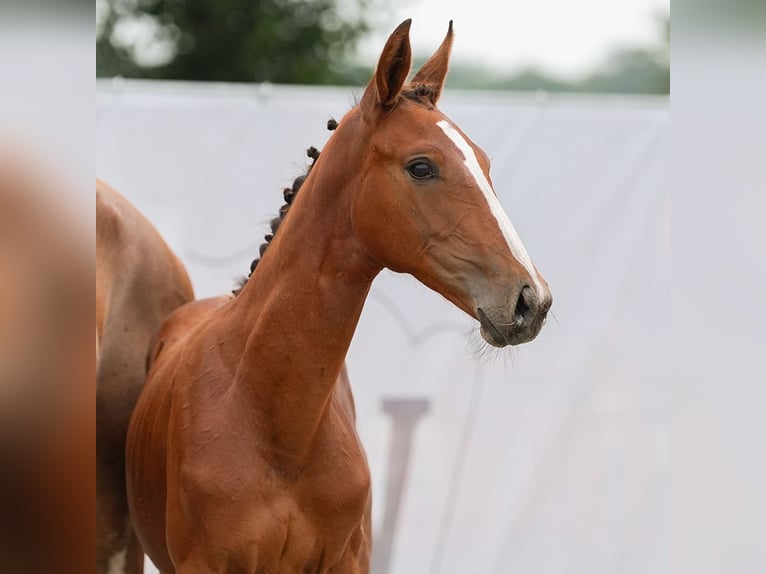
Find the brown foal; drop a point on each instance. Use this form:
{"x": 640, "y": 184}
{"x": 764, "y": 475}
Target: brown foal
{"x": 242, "y": 452}
{"x": 139, "y": 281}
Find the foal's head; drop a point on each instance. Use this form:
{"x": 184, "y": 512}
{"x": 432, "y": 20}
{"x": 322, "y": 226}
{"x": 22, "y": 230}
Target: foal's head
{"x": 424, "y": 203}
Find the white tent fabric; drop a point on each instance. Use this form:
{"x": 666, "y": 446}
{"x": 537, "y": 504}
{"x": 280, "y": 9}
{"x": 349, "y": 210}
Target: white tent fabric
{"x": 551, "y": 458}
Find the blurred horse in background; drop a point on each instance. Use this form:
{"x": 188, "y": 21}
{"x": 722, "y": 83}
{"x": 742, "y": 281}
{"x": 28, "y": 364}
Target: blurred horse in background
{"x": 242, "y": 452}
{"x": 139, "y": 281}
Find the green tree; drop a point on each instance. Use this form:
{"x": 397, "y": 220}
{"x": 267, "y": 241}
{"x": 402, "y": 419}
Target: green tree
{"x": 281, "y": 41}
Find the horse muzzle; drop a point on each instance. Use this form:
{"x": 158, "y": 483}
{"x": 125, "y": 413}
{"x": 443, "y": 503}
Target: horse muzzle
{"x": 517, "y": 323}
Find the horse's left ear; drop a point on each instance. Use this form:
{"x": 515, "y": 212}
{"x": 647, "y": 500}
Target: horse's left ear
{"x": 434, "y": 71}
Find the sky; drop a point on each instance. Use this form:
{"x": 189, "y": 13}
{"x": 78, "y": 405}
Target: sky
{"x": 565, "y": 37}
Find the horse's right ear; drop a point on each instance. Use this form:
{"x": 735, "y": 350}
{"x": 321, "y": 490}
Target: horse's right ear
{"x": 392, "y": 71}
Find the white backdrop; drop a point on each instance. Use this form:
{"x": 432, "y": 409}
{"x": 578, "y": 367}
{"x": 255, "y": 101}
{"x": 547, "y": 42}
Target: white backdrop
{"x": 553, "y": 458}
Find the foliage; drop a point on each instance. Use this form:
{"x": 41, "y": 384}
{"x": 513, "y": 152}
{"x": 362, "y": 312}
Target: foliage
{"x": 281, "y": 41}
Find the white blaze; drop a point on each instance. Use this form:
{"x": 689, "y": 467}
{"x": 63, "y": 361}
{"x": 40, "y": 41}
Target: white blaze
{"x": 506, "y": 227}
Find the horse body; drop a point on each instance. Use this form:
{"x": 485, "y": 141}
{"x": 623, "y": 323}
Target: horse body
{"x": 242, "y": 451}
{"x": 139, "y": 281}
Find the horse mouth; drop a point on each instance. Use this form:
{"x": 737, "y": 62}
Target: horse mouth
{"x": 515, "y": 334}
{"x": 489, "y": 332}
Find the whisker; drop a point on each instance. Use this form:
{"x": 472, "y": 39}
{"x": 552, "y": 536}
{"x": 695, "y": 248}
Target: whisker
{"x": 486, "y": 353}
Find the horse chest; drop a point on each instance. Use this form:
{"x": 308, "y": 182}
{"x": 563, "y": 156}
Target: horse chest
{"x": 336, "y": 491}
{"x": 329, "y": 507}
{"x": 274, "y": 518}
{"x": 317, "y": 525}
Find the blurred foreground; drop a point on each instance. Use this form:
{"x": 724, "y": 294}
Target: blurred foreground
{"x": 47, "y": 370}
{"x": 47, "y": 379}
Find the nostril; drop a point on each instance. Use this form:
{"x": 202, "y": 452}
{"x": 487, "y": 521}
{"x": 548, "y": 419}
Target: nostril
{"x": 522, "y": 309}
{"x": 525, "y": 305}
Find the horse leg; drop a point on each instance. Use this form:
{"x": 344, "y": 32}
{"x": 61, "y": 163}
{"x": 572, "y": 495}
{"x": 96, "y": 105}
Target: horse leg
{"x": 113, "y": 528}
{"x": 134, "y": 563}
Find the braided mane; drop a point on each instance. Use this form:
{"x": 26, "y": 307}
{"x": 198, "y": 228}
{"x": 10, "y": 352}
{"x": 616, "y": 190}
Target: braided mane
{"x": 420, "y": 94}
{"x": 289, "y": 194}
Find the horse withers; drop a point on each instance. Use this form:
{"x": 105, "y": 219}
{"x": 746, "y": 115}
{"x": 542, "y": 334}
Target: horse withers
{"x": 242, "y": 452}
{"x": 139, "y": 281}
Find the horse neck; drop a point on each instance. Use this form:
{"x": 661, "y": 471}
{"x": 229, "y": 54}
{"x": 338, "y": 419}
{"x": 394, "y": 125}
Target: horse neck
{"x": 298, "y": 312}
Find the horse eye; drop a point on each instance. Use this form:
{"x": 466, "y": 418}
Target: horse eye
{"x": 420, "y": 169}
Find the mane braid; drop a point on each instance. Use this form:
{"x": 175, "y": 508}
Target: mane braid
{"x": 289, "y": 194}
{"x": 420, "y": 94}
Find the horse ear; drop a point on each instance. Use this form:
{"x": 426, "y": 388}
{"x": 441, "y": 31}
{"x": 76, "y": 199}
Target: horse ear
{"x": 391, "y": 73}
{"x": 434, "y": 71}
